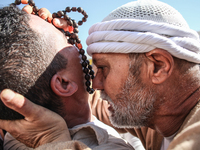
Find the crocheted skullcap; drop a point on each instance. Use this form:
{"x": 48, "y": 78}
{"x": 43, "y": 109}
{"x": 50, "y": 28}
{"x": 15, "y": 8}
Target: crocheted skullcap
{"x": 141, "y": 26}
{"x": 148, "y": 10}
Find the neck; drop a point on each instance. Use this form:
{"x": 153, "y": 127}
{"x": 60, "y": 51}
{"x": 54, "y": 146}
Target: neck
{"x": 172, "y": 114}
{"x": 76, "y": 113}
{"x": 175, "y": 103}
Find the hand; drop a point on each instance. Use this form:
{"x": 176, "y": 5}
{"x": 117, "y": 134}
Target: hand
{"x": 40, "y": 125}
{"x": 43, "y": 12}
{"x": 46, "y": 15}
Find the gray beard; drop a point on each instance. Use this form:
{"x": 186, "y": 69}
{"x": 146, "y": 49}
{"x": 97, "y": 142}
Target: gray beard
{"x": 133, "y": 106}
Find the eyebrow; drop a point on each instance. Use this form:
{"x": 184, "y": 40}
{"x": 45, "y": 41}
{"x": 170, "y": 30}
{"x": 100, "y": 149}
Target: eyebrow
{"x": 96, "y": 60}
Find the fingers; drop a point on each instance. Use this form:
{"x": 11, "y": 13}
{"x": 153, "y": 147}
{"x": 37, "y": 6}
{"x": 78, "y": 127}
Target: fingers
{"x": 58, "y": 22}
{"x": 40, "y": 125}
{"x": 20, "y": 104}
{"x": 45, "y": 14}
{"x": 6, "y": 125}
{"x": 11, "y": 99}
{"x": 61, "y": 23}
{"x": 28, "y": 9}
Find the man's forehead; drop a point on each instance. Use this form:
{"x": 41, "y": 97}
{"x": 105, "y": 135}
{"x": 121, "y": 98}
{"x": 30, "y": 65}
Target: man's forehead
{"x": 97, "y": 57}
{"x": 103, "y": 57}
{"x": 110, "y": 58}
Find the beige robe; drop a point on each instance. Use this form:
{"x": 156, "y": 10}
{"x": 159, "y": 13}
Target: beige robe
{"x": 188, "y": 136}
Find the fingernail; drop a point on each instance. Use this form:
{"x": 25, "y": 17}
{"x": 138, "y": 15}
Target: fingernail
{"x": 57, "y": 21}
{"x": 7, "y": 95}
{"x": 41, "y": 14}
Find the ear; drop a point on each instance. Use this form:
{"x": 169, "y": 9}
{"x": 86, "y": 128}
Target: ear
{"x": 162, "y": 67}
{"x": 62, "y": 86}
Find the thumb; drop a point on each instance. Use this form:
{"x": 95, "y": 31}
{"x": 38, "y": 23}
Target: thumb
{"x": 61, "y": 23}
{"x": 20, "y": 104}
{"x": 12, "y": 99}
{"x": 45, "y": 14}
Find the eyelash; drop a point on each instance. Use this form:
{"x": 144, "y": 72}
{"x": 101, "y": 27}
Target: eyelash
{"x": 101, "y": 69}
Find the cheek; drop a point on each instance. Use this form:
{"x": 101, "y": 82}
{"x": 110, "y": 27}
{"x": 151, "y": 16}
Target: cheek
{"x": 112, "y": 85}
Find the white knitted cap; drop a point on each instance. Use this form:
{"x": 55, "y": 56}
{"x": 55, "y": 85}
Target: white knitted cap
{"x": 148, "y": 10}
{"x": 141, "y": 26}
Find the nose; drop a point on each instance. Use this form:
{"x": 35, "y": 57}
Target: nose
{"x": 97, "y": 83}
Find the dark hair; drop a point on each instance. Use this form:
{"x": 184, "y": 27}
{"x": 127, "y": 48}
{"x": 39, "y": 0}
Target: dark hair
{"x": 27, "y": 62}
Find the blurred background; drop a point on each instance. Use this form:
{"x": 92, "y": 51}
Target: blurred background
{"x": 98, "y": 9}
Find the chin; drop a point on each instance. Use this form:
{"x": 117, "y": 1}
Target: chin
{"x": 127, "y": 118}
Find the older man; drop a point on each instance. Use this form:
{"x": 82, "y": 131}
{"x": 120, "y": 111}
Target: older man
{"x": 148, "y": 70}
{"x": 40, "y": 64}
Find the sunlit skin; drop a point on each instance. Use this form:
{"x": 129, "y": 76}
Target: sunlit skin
{"x": 177, "y": 94}
{"x": 159, "y": 73}
{"x": 125, "y": 96}
{"x": 109, "y": 67}
{"x": 73, "y": 73}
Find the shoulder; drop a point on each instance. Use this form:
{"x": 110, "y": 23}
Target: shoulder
{"x": 188, "y": 135}
{"x": 99, "y": 136}
{"x": 187, "y": 139}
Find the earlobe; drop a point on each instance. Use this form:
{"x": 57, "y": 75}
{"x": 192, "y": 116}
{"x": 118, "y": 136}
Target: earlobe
{"x": 62, "y": 86}
{"x": 162, "y": 67}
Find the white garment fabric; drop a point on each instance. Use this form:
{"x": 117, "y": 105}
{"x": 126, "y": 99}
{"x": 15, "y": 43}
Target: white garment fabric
{"x": 134, "y": 141}
{"x": 136, "y": 35}
{"x": 166, "y": 141}
{"x": 110, "y": 130}
{"x": 105, "y": 136}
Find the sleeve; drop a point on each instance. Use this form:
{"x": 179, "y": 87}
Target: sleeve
{"x": 187, "y": 139}
{"x": 11, "y": 143}
{"x": 69, "y": 145}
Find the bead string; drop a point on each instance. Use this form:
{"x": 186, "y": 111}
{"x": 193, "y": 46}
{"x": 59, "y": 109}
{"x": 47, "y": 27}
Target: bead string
{"x": 72, "y": 35}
